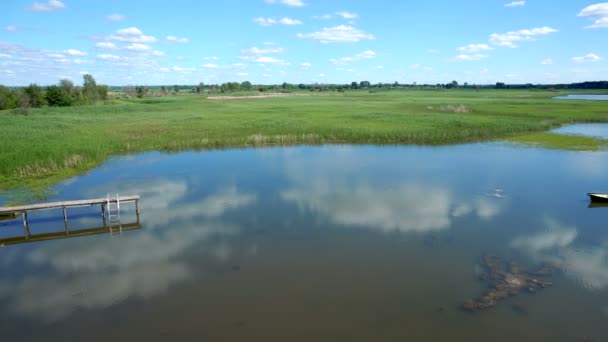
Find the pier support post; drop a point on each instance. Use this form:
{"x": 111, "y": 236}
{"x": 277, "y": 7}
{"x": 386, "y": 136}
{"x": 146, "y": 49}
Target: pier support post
{"x": 137, "y": 207}
{"x": 26, "y": 228}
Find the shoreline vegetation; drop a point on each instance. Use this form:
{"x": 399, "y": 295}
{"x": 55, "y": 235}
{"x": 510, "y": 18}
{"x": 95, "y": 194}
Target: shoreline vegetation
{"x": 51, "y": 144}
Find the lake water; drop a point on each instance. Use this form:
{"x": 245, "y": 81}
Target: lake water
{"x": 324, "y": 243}
{"x": 589, "y": 130}
{"x": 583, "y": 97}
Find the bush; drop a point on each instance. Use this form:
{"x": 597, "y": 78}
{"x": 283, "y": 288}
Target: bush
{"x": 58, "y": 97}
{"x": 34, "y": 95}
{"x": 8, "y": 99}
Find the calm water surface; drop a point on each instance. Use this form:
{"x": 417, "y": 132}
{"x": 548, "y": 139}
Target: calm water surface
{"x": 583, "y": 97}
{"x": 590, "y": 130}
{"x": 329, "y": 243}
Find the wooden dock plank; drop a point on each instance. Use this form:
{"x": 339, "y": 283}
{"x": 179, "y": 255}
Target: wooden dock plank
{"x": 52, "y": 205}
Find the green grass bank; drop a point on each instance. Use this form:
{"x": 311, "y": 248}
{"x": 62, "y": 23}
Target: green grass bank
{"x": 51, "y": 144}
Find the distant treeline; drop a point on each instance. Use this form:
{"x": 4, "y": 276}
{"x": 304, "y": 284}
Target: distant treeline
{"x": 248, "y": 86}
{"x": 67, "y": 94}
{"x": 61, "y": 95}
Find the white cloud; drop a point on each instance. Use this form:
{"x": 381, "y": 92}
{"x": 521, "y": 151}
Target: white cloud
{"x": 239, "y": 66}
{"x": 4, "y": 56}
{"x": 306, "y": 65}
{"x": 547, "y": 61}
{"x": 510, "y": 39}
{"x": 74, "y": 52}
{"x": 51, "y": 5}
{"x": 138, "y": 47}
{"x": 515, "y": 4}
{"x": 590, "y": 57}
{"x": 115, "y": 17}
{"x": 132, "y": 35}
{"x": 11, "y": 28}
{"x": 347, "y": 60}
{"x": 257, "y": 51}
{"x": 242, "y": 74}
{"x": 264, "y": 21}
{"x": 291, "y": 3}
{"x": 174, "y": 39}
{"x": 347, "y": 15}
{"x": 158, "y": 53}
{"x": 338, "y": 34}
{"x": 212, "y": 58}
{"x": 471, "y": 57}
{"x": 272, "y": 21}
{"x": 210, "y": 66}
{"x": 181, "y": 69}
{"x": 106, "y": 45}
{"x": 108, "y": 57}
{"x": 269, "y": 60}
{"x": 598, "y": 13}
{"x": 475, "y": 48}
{"x": 289, "y": 21}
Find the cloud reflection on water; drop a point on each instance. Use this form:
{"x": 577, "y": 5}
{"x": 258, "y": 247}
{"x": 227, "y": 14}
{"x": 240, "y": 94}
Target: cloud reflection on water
{"x": 93, "y": 274}
{"x": 348, "y": 190}
{"x": 588, "y": 266}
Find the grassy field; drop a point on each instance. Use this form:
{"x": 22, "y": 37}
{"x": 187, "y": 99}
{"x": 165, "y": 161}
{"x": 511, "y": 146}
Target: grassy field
{"x": 54, "y": 143}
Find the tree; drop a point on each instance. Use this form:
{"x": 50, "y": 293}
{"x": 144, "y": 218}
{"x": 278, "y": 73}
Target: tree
{"x": 8, "y": 99}
{"x": 34, "y": 95}
{"x": 354, "y": 85}
{"x": 500, "y": 85}
{"x": 246, "y": 86}
{"x": 102, "y": 92}
{"x": 67, "y": 85}
{"x": 89, "y": 88}
{"x": 176, "y": 89}
{"x": 58, "y": 97}
{"x": 364, "y": 84}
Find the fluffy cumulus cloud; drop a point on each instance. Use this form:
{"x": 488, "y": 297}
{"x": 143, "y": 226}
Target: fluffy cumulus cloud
{"x": 347, "y": 60}
{"x": 510, "y": 39}
{"x": 598, "y": 13}
{"x": 174, "y": 39}
{"x": 138, "y": 47}
{"x": 547, "y": 61}
{"x": 74, "y": 52}
{"x": 338, "y": 34}
{"x": 131, "y": 35}
{"x": 515, "y": 4}
{"x": 474, "y": 48}
{"x": 115, "y": 17}
{"x": 306, "y": 65}
{"x": 588, "y": 58}
{"x": 273, "y": 21}
{"x": 106, "y": 45}
{"x": 347, "y": 15}
{"x": 291, "y": 3}
{"x": 257, "y": 51}
{"x": 51, "y": 5}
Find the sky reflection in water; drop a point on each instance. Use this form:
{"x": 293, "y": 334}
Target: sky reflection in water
{"x": 204, "y": 214}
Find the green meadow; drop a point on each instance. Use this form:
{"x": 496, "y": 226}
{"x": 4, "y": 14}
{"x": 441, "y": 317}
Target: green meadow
{"x": 53, "y": 143}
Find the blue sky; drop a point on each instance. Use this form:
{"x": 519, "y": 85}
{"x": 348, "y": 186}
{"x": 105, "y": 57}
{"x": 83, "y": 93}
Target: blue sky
{"x": 303, "y": 41}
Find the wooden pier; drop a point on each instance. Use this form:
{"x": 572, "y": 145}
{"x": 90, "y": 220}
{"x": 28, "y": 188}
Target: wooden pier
{"x": 104, "y": 202}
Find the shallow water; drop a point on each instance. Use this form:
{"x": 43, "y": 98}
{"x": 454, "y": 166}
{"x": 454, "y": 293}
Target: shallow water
{"x": 589, "y": 130}
{"x": 322, "y": 243}
{"x": 583, "y": 97}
